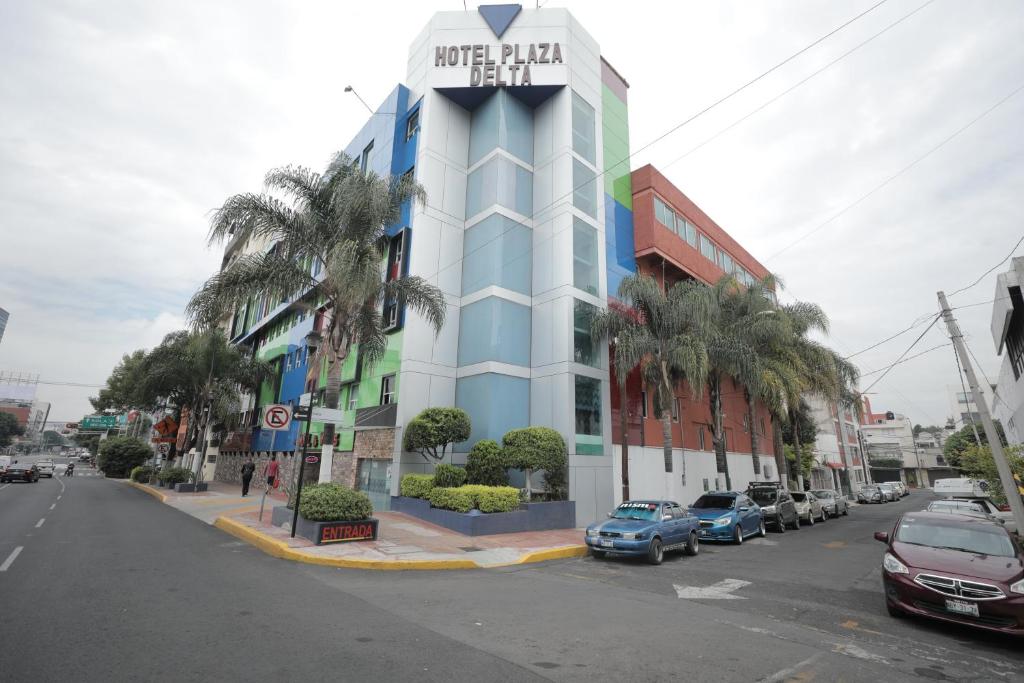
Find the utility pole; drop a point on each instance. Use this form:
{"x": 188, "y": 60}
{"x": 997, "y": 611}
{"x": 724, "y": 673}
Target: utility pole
{"x": 996, "y": 446}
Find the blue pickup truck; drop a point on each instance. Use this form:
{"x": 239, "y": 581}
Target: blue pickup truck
{"x": 646, "y": 528}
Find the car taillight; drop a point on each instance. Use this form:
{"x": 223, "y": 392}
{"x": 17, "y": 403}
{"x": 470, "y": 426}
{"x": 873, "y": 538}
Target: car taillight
{"x": 1005, "y": 507}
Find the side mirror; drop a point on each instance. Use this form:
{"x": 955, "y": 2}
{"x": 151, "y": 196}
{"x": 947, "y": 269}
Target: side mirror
{"x": 744, "y": 509}
{"x": 882, "y": 536}
{"x": 665, "y": 518}
{"x": 609, "y": 514}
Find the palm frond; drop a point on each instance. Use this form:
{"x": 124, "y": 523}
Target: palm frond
{"x": 419, "y": 295}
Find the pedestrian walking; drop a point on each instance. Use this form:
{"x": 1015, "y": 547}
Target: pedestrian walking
{"x": 248, "y": 468}
{"x": 272, "y": 467}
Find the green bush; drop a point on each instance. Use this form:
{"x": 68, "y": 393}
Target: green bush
{"x": 485, "y": 464}
{"x": 539, "y": 448}
{"x": 417, "y": 485}
{"x": 434, "y": 429}
{"x": 175, "y": 475}
{"x": 334, "y": 503}
{"x": 141, "y": 473}
{"x": 449, "y": 476}
{"x": 119, "y": 454}
{"x": 484, "y": 498}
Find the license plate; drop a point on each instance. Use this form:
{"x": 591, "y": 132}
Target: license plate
{"x": 607, "y": 544}
{"x": 961, "y": 607}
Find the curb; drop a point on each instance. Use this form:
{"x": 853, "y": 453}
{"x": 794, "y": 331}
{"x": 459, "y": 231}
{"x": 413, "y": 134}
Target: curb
{"x": 151, "y": 491}
{"x": 282, "y": 550}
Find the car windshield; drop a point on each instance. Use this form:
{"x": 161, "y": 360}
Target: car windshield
{"x": 646, "y": 511}
{"x": 706, "y": 502}
{"x": 969, "y": 538}
{"x": 952, "y": 504}
{"x": 868, "y": 489}
{"x": 763, "y": 496}
{"x": 799, "y": 497}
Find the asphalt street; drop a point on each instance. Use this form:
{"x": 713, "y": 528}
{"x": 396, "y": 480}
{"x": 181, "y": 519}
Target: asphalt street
{"x": 115, "y": 586}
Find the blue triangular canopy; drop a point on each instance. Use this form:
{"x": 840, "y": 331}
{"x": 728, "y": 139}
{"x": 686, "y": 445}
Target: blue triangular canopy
{"x": 499, "y": 17}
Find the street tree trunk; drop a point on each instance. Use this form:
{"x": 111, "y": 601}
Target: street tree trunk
{"x": 624, "y": 426}
{"x": 796, "y": 450}
{"x": 718, "y": 429}
{"x": 780, "y": 454}
{"x": 666, "y": 437}
{"x": 753, "y": 432}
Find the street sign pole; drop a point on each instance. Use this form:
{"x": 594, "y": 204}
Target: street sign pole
{"x": 302, "y": 468}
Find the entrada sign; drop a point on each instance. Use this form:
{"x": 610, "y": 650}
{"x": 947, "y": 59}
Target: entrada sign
{"x": 341, "y": 532}
{"x": 487, "y": 68}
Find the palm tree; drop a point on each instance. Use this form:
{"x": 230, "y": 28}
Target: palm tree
{"x": 660, "y": 333}
{"x": 335, "y": 222}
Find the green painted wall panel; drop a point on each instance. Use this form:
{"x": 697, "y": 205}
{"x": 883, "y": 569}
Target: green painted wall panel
{"x": 615, "y": 131}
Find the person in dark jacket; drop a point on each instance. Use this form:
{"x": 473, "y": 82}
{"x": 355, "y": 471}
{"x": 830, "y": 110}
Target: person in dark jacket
{"x": 248, "y": 468}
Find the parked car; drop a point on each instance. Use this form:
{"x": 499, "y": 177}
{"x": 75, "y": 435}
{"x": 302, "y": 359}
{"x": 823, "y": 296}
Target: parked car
{"x": 985, "y": 504}
{"x": 870, "y": 493}
{"x": 728, "y": 516}
{"x": 960, "y": 487}
{"x": 834, "y": 502}
{"x": 809, "y": 507}
{"x": 954, "y": 568}
{"x": 889, "y": 490}
{"x": 961, "y": 507}
{"x": 904, "y": 489}
{"x": 46, "y": 468}
{"x": 645, "y": 528}
{"x": 20, "y": 471}
{"x": 777, "y": 506}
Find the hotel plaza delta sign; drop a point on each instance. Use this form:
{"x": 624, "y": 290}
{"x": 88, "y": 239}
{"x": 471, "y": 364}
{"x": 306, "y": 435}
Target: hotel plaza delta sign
{"x": 506, "y": 64}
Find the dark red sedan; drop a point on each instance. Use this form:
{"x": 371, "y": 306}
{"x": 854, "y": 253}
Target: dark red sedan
{"x": 954, "y": 568}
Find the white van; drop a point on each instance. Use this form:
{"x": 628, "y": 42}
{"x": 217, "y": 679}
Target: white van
{"x": 5, "y": 460}
{"x": 961, "y": 488}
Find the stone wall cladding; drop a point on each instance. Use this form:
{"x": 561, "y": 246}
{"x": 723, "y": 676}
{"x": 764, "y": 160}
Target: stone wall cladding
{"x": 376, "y": 444}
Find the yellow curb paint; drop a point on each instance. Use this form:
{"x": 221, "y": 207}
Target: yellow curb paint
{"x": 151, "y": 491}
{"x": 282, "y": 550}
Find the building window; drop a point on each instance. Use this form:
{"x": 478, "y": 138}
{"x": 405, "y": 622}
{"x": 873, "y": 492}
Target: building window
{"x": 387, "y": 389}
{"x": 675, "y": 409}
{"x": 500, "y": 181}
{"x": 767, "y": 469}
{"x": 746, "y": 424}
{"x": 364, "y": 160}
{"x": 584, "y": 256}
{"x": 726, "y": 263}
{"x": 584, "y": 140}
{"x": 762, "y": 427}
{"x": 643, "y": 404}
{"x": 353, "y": 396}
{"x": 700, "y": 436}
{"x": 707, "y": 248}
{"x": 498, "y": 252}
{"x": 412, "y": 126}
{"x": 585, "y": 351}
{"x": 588, "y": 406}
{"x": 584, "y": 188}
{"x": 664, "y": 215}
{"x": 691, "y": 234}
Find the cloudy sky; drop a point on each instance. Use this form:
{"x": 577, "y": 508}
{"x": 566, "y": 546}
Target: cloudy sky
{"x": 125, "y": 123}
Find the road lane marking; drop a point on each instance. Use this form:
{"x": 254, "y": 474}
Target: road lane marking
{"x": 717, "y": 591}
{"x": 59, "y": 497}
{"x": 11, "y": 558}
{"x": 53, "y": 506}
{"x": 40, "y": 522}
{"x": 61, "y": 487}
{"x": 791, "y": 672}
{"x": 4, "y": 486}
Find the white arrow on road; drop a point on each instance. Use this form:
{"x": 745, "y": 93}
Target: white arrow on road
{"x": 717, "y": 591}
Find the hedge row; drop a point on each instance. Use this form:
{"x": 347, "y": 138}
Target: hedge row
{"x": 485, "y": 498}
{"x": 334, "y": 503}
{"x": 417, "y": 485}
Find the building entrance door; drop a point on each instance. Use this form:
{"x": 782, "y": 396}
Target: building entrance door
{"x": 374, "y": 479}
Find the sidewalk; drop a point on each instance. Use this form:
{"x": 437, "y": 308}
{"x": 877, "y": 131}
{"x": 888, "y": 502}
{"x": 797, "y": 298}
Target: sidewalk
{"x": 403, "y": 542}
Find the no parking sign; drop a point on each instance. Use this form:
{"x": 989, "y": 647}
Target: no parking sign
{"x": 277, "y": 417}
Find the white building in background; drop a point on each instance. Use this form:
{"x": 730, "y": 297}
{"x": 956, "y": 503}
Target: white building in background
{"x": 890, "y": 436}
{"x": 836, "y": 449}
{"x": 1008, "y": 335}
{"x": 962, "y": 409}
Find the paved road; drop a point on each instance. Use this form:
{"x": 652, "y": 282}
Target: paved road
{"x": 114, "y": 585}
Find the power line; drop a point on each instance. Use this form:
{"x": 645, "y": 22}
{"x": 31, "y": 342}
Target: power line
{"x": 796, "y": 85}
{"x": 903, "y": 170}
{"x": 888, "y": 339}
{"x": 912, "y": 345}
{"x": 916, "y": 355}
{"x": 962, "y": 289}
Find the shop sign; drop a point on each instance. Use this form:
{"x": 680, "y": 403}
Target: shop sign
{"x": 505, "y": 65}
{"x": 343, "y": 532}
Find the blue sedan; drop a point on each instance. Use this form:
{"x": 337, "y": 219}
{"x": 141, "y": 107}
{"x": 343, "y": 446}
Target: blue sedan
{"x": 728, "y": 516}
{"x": 645, "y": 528}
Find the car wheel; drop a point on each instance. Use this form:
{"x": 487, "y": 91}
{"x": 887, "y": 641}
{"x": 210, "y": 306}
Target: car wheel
{"x": 846, "y": 510}
{"x": 655, "y": 553}
{"x": 597, "y": 554}
{"x": 761, "y": 531}
{"x": 780, "y": 524}
{"x": 810, "y": 518}
{"x": 824, "y": 515}
{"x": 692, "y": 544}
{"x": 737, "y": 535}
{"x": 795, "y": 526}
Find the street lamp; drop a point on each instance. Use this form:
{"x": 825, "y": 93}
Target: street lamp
{"x": 312, "y": 341}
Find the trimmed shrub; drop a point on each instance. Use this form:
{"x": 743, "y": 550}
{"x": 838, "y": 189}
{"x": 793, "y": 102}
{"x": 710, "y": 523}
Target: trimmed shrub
{"x": 449, "y": 476}
{"x": 334, "y": 503}
{"x": 141, "y": 473}
{"x": 484, "y": 498}
{"x": 175, "y": 475}
{"x": 119, "y": 454}
{"x": 485, "y": 464}
{"x": 417, "y": 485}
{"x": 539, "y": 448}
{"x": 434, "y": 429}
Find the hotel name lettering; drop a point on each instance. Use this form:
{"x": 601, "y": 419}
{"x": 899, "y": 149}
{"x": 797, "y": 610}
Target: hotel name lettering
{"x": 509, "y": 65}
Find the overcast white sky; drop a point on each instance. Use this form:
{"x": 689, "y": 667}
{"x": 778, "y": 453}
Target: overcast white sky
{"x": 125, "y": 123}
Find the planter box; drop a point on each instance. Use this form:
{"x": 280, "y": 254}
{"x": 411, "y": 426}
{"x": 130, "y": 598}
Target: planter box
{"x": 189, "y": 487}
{"x": 529, "y": 517}
{"x": 322, "y": 533}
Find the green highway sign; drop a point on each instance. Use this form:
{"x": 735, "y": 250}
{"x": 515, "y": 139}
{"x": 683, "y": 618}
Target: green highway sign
{"x": 98, "y": 422}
